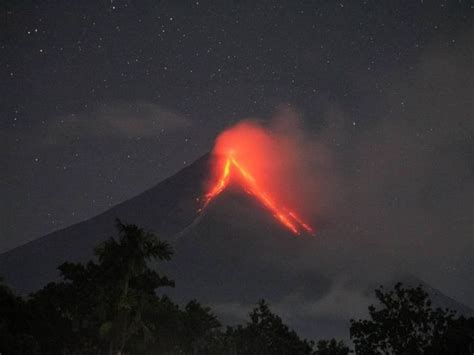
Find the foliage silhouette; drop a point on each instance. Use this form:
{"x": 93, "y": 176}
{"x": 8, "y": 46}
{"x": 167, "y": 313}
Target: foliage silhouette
{"x": 331, "y": 347}
{"x": 406, "y": 323}
{"x": 110, "y": 306}
{"x": 267, "y": 334}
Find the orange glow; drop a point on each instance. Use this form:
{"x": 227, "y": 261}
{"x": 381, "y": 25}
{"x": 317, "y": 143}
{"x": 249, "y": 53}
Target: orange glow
{"x": 231, "y": 165}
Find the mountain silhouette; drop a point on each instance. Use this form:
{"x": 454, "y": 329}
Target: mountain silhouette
{"x": 167, "y": 209}
{"x": 229, "y": 256}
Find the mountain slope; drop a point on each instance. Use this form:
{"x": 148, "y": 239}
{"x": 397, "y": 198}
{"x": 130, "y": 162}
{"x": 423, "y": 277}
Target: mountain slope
{"x": 166, "y": 208}
{"x": 229, "y": 256}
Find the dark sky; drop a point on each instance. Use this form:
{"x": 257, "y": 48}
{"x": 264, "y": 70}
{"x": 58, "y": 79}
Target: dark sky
{"x": 100, "y": 100}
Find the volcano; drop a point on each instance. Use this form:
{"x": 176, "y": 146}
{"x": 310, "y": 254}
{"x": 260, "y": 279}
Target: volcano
{"x": 233, "y": 168}
{"x": 230, "y": 251}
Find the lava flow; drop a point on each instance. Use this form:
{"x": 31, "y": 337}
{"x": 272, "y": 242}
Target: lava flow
{"x": 287, "y": 218}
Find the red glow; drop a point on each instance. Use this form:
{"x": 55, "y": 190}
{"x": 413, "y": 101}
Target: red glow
{"x": 229, "y": 164}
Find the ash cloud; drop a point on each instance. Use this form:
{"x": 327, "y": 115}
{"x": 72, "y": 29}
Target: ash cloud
{"x": 408, "y": 196}
{"x": 394, "y": 198}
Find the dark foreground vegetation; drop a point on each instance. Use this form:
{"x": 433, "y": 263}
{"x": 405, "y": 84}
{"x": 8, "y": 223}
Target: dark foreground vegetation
{"x": 110, "y": 306}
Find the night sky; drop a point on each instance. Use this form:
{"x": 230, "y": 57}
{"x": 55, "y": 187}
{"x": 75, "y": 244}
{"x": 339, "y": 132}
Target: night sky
{"x": 100, "y": 100}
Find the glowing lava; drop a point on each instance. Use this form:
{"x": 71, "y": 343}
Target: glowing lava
{"x": 287, "y": 218}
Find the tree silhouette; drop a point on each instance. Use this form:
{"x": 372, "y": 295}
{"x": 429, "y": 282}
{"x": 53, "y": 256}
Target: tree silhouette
{"x": 331, "y": 347}
{"x": 105, "y": 301}
{"x": 405, "y": 323}
{"x": 15, "y": 325}
{"x": 457, "y": 339}
{"x": 200, "y": 328}
{"x": 125, "y": 262}
{"x": 267, "y": 334}
{"x": 110, "y": 306}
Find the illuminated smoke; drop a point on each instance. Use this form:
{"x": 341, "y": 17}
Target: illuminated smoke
{"x": 248, "y": 155}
